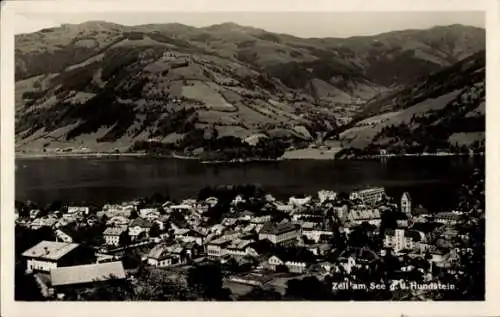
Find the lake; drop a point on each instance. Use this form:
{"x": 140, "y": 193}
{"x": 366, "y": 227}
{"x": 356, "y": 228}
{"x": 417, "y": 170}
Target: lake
{"x": 430, "y": 180}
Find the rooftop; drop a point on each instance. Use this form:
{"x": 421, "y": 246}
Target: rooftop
{"x": 50, "y": 250}
{"x": 271, "y": 228}
{"x": 140, "y": 222}
{"x": 80, "y": 274}
{"x": 114, "y": 231}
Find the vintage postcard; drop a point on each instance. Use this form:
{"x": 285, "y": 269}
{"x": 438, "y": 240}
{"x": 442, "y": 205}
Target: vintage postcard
{"x": 290, "y": 157}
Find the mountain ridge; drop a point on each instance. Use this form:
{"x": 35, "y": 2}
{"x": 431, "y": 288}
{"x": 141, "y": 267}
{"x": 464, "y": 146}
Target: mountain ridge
{"x": 211, "y": 78}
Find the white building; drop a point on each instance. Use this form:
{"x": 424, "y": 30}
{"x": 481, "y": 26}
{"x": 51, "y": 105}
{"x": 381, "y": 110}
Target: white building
{"x": 62, "y": 236}
{"x": 401, "y": 239}
{"x": 48, "y": 255}
{"x": 112, "y": 235}
{"x": 78, "y": 209}
{"x": 293, "y": 266}
{"x": 237, "y": 200}
{"x": 189, "y": 235}
{"x": 217, "y": 248}
{"x": 238, "y": 247}
{"x": 368, "y": 196}
{"x": 326, "y": 195}
{"x": 298, "y": 202}
{"x": 159, "y": 257}
{"x": 361, "y": 214}
{"x": 139, "y": 226}
{"x": 286, "y": 233}
{"x": 340, "y": 211}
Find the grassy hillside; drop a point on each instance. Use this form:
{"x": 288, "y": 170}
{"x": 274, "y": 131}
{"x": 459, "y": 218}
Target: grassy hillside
{"x": 445, "y": 112}
{"x": 101, "y": 86}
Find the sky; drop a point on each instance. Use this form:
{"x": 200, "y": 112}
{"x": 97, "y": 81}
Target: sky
{"x": 302, "y": 24}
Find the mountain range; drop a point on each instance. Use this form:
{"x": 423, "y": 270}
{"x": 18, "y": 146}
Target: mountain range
{"x": 101, "y": 86}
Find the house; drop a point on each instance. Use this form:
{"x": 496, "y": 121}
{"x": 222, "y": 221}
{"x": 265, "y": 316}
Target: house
{"x": 183, "y": 208}
{"x": 62, "y": 236}
{"x": 162, "y": 222}
{"x": 211, "y": 201}
{"x": 326, "y": 195}
{"x": 450, "y": 218}
{"x": 238, "y": 247}
{"x": 79, "y": 210}
{"x": 48, "y": 255}
{"x": 237, "y": 200}
{"x": 314, "y": 231}
{"x": 350, "y": 259}
{"x": 326, "y": 266}
{"x": 340, "y": 211}
{"x": 43, "y": 222}
{"x": 149, "y": 213}
{"x": 246, "y": 215}
{"x": 124, "y": 210}
{"x": 228, "y": 222}
{"x": 284, "y": 208}
{"x": 294, "y": 266}
{"x": 217, "y": 229}
{"x": 67, "y": 278}
{"x": 189, "y": 235}
{"x": 139, "y": 226}
{"x": 308, "y": 215}
{"x": 368, "y": 196}
{"x": 361, "y": 214}
{"x": 112, "y": 235}
{"x": 402, "y": 239}
{"x": 34, "y": 213}
{"x": 282, "y": 234}
{"x": 320, "y": 249}
{"x": 299, "y": 202}
{"x": 118, "y": 221}
{"x": 217, "y": 248}
{"x": 261, "y": 219}
{"x": 160, "y": 257}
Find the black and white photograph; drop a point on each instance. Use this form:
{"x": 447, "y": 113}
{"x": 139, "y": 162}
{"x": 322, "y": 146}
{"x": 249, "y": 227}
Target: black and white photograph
{"x": 249, "y": 156}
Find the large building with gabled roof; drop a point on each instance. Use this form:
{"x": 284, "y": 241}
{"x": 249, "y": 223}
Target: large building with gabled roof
{"x": 48, "y": 255}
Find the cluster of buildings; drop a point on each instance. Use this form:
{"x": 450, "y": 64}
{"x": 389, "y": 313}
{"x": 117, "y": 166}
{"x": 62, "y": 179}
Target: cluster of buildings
{"x": 303, "y": 236}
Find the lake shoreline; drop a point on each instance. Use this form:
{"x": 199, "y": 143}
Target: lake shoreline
{"x": 235, "y": 161}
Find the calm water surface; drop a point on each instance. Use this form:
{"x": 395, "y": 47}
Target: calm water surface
{"x": 430, "y": 181}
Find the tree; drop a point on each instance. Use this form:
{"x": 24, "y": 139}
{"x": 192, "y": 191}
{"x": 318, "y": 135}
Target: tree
{"x": 260, "y": 294}
{"x": 131, "y": 259}
{"x": 154, "y": 231}
{"x": 206, "y": 280}
{"x": 308, "y": 288}
{"x": 124, "y": 239}
{"x": 134, "y": 214}
{"x": 55, "y": 206}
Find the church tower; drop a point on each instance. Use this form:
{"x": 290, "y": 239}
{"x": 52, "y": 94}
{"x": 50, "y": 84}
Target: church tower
{"x": 406, "y": 204}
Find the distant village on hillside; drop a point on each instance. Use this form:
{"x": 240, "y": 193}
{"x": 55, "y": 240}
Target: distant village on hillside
{"x": 241, "y": 243}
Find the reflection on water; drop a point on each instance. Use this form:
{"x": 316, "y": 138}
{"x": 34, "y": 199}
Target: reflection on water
{"x": 430, "y": 180}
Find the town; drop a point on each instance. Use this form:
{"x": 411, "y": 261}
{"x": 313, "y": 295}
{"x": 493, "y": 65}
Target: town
{"x": 241, "y": 243}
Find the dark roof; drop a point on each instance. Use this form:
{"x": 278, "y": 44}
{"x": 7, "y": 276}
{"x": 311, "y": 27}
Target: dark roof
{"x": 159, "y": 252}
{"x": 364, "y": 253}
{"x": 414, "y": 234}
{"x": 270, "y": 228}
{"x": 420, "y": 211}
{"x": 294, "y": 254}
{"x": 447, "y": 216}
{"x": 141, "y": 222}
{"x": 80, "y": 274}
